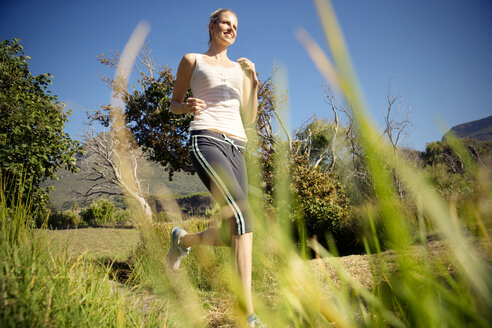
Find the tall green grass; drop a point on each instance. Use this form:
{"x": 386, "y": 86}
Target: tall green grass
{"x": 415, "y": 294}
{"x": 41, "y": 286}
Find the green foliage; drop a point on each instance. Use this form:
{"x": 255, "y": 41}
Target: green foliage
{"x": 321, "y": 200}
{"x": 33, "y": 145}
{"x": 197, "y": 204}
{"x": 453, "y": 174}
{"x": 122, "y": 216}
{"x": 101, "y": 212}
{"x": 168, "y": 207}
{"x": 65, "y": 219}
{"x": 321, "y": 207}
{"x": 450, "y": 184}
{"x": 443, "y": 152}
{"x": 336, "y": 148}
{"x": 315, "y": 140}
{"x": 161, "y": 134}
{"x": 153, "y": 125}
{"x": 213, "y": 212}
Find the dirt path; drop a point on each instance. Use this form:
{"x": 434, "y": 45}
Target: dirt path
{"x": 362, "y": 267}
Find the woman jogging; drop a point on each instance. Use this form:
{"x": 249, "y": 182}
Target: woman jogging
{"x": 224, "y": 96}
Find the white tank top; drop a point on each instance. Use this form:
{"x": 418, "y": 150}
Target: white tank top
{"x": 222, "y": 90}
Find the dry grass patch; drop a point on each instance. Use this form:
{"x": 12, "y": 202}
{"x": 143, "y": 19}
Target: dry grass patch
{"x": 98, "y": 243}
{"x": 366, "y": 269}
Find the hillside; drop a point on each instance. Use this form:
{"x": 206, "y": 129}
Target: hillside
{"x": 479, "y": 129}
{"x": 70, "y": 187}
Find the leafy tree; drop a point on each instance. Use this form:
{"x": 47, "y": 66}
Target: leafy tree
{"x": 162, "y": 135}
{"x": 33, "y": 145}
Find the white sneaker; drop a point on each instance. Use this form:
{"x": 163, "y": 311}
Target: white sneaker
{"x": 176, "y": 252}
{"x": 254, "y": 321}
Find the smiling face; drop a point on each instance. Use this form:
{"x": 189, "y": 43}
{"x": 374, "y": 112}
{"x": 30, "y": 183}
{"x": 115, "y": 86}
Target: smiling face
{"x": 224, "y": 28}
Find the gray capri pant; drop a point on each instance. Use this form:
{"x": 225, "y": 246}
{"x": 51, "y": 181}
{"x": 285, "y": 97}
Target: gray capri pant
{"x": 219, "y": 162}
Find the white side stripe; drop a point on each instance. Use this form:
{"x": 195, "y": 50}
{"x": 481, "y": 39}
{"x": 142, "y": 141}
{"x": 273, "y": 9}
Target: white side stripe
{"x": 205, "y": 136}
{"x": 220, "y": 184}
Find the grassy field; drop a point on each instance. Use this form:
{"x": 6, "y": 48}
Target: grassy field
{"x": 46, "y": 283}
{"x": 118, "y": 245}
{"x": 96, "y": 243}
{"x": 103, "y": 244}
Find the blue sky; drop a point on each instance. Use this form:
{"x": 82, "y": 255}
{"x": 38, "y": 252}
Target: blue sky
{"x": 437, "y": 53}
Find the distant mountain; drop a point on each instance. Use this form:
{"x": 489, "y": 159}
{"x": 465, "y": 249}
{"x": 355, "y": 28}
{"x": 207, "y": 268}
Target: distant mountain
{"x": 70, "y": 187}
{"x": 479, "y": 129}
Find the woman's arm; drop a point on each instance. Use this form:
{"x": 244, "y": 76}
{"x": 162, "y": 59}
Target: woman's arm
{"x": 181, "y": 85}
{"x": 250, "y": 91}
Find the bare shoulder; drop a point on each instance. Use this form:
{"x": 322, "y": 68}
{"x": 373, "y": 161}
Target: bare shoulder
{"x": 189, "y": 59}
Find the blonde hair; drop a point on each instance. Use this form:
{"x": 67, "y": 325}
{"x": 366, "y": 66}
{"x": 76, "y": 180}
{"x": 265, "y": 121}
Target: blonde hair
{"x": 213, "y": 18}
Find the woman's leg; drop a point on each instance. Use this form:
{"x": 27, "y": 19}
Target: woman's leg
{"x": 209, "y": 237}
{"x": 242, "y": 249}
{"x": 226, "y": 178}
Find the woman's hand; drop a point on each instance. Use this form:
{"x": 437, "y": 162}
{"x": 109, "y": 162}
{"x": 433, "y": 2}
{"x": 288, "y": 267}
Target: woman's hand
{"x": 248, "y": 67}
{"x": 191, "y": 106}
{"x": 183, "y": 77}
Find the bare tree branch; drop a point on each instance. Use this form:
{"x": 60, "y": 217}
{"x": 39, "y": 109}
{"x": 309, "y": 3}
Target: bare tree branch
{"x": 333, "y": 158}
{"x": 396, "y": 120}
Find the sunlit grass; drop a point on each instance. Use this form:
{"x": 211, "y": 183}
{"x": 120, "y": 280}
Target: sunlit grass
{"x": 110, "y": 244}
{"x": 416, "y": 295}
{"x": 41, "y": 285}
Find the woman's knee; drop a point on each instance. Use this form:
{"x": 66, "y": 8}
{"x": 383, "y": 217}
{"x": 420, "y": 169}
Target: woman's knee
{"x": 236, "y": 222}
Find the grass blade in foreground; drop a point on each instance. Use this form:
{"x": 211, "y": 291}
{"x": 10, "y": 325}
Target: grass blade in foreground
{"x": 420, "y": 296}
{"x": 185, "y": 307}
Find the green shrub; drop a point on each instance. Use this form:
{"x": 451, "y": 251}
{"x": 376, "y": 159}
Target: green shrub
{"x": 122, "y": 217}
{"x": 213, "y": 212}
{"x": 321, "y": 199}
{"x": 64, "y": 220}
{"x": 443, "y": 152}
{"x": 101, "y": 212}
{"x": 321, "y": 206}
{"x": 450, "y": 184}
{"x": 164, "y": 216}
{"x": 161, "y": 217}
